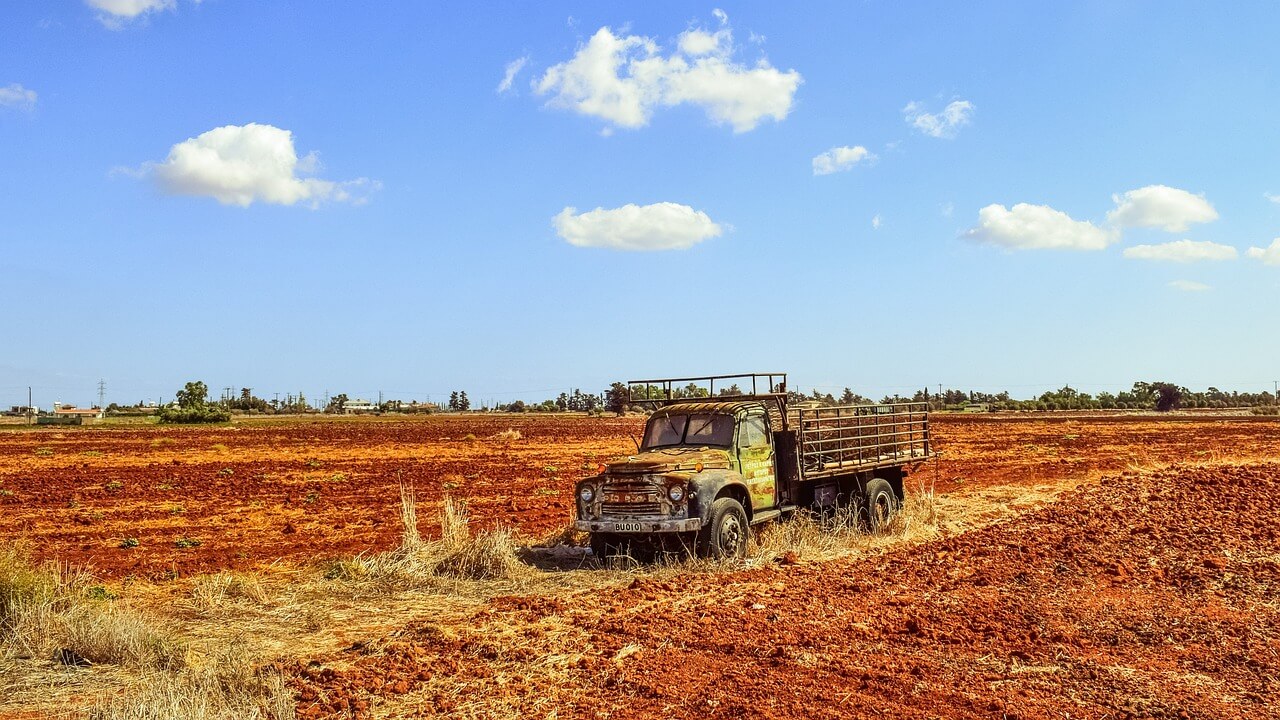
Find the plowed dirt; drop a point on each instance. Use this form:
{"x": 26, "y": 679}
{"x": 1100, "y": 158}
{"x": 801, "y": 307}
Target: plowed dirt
{"x": 1145, "y": 595}
{"x": 298, "y": 491}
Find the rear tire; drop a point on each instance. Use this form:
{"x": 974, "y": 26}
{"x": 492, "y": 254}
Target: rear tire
{"x": 726, "y": 532}
{"x": 879, "y": 505}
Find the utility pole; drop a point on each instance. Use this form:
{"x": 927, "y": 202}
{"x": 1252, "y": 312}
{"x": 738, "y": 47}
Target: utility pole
{"x": 102, "y": 392}
{"x": 30, "y": 414}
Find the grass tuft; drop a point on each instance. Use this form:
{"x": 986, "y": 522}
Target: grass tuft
{"x": 227, "y": 686}
{"x": 47, "y": 609}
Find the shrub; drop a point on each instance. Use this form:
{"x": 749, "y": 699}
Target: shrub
{"x": 193, "y": 415}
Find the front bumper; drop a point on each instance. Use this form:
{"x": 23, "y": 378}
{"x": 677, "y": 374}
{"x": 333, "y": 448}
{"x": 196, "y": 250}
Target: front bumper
{"x": 639, "y": 525}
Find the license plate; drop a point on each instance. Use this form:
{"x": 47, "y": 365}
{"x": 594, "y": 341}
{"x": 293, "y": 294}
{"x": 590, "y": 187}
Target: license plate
{"x": 627, "y": 527}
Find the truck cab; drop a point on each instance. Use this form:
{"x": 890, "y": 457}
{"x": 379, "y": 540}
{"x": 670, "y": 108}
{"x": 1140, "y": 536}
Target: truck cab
{"x": 704, "y": 472}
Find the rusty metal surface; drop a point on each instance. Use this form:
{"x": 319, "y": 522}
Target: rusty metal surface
{"x": 847, "y": 439}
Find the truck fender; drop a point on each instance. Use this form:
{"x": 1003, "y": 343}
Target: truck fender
{"x": 708, "y": 485}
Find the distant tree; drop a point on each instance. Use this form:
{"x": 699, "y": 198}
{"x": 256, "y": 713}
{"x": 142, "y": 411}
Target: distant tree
{"x": 562, "y": 402}
{"x": 193, "y": 407}
{"x": 1168, "y": 396}
{"x": 337, "y": 403}
{"x": 453, "y": 401}
{"x": 615, "y": 399}
{"x": 193, "y": 395}
{"x": 463, "y": 403}
{"x": 730, "y": 391}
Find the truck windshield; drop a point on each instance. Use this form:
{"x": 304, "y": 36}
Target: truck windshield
{"x": 697, "y": 429}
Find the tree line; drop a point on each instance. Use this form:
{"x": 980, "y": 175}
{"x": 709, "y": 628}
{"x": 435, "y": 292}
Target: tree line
{"x": 192, "y": 403}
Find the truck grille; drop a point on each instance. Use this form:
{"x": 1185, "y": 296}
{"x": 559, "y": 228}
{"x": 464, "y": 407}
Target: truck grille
{"x": 631, "y": 509}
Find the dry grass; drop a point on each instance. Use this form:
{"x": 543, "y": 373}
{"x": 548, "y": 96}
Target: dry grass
{"x": 508, "y": 436}
{"x": 810, "y": 536}
{"x": 488, "y": 556}
{"x": 228, "y": 686}
{"x": 456, "y": 554}
{"x": 221, "y": 592}
{"x": 51, "y": 609}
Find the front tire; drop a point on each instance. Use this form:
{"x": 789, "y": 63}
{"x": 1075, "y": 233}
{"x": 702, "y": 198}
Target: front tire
{"x": 605, "y": 545}
{"x": 726, "y": 532}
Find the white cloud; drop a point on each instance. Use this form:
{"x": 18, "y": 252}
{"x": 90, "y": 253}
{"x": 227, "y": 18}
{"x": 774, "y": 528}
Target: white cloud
{"x": 1160, "y": 206}
{"x": 944, "y": 124}
{"x": 1036, "y": 227}
{"x": 1269, "y": 255}
{"x": 16, "y": 96}
{"x": 1272, "y": 197}
{"x": 1188, "y": 286}
{"x": 876, "y": 222}
{"x": 509, "y": 75}
{"x": 1182, "y": 251}
{"x": 624, "y": 79}
{"x": 240, "y": 164}
{"x": 839, "y": 159}
{"x": 661, "y": 226}
{"x": 115, "y": 13}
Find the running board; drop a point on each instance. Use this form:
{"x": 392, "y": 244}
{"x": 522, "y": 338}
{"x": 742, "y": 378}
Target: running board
{"x": 767, "y": 515}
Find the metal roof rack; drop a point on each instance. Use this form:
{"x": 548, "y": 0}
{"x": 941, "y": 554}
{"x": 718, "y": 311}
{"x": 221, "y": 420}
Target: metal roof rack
{"x": 662, "y": 391}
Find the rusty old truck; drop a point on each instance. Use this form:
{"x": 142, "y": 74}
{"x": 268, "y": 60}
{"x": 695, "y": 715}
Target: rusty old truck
{"x": 713, "y": 463}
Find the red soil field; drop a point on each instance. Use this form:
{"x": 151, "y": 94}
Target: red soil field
{"x": 306, "y": 490}
{"x": 1145, "y": 596}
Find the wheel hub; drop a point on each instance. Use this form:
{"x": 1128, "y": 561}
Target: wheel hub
{"x": 730, "y": 535}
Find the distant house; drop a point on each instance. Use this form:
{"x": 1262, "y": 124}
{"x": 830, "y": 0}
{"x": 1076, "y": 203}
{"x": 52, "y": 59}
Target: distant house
{"x": 358, "y": 406}
{"x": 977, "y": 407}
{"x": 83, "y": 413}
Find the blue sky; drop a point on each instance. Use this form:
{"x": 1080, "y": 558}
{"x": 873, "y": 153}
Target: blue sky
{"x": 312, "y": 196}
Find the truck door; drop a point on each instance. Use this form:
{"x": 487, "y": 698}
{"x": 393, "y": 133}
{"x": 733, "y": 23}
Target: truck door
{"x": 755, "y": 461}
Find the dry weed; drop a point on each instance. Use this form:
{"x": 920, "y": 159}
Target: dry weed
{"x": 409, "y": 537}
{"x": 419, "y": 563}
{"x": 488, "y": 556}
{"x": 840, "y": 532}
{"x": 228, "y": 685}
{"x": 106, "y": 633}
{"x": 507, "y": 436}
{"x": 50, "y": 610}
{"x": 215, "y": 594}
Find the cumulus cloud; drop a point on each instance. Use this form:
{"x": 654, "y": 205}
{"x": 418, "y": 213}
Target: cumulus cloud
{"x": 942, "y": 125}
{"x": 16, "y": 96}
{"x": 1272, "y": 197}
{"x": 509, "y": 75}
{"x": 876, "y": 222}
{"x": 115, "y": 13}
{"x": 1269, "y": 255}
{"x": 240, "y": 164}
{"x": 623, "y": 79}
{"x": 1160, "y": 206}
{"x": 1182, "y": 251}
{"x": 1037, "y": 227}
{"x": 839, "y": 159}
{"x": 1188, "y": 286}
{"x": 661, "y": 226}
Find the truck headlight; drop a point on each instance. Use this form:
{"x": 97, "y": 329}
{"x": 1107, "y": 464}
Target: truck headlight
{"x": 586, "y": 493}
{"x": 676, "y": 493}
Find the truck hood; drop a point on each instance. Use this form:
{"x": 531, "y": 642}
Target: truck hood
{"x": 670, "y": 460}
